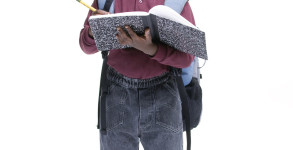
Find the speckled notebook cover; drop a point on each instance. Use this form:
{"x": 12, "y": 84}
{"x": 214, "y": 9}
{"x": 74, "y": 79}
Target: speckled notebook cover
{"x": 174, "y": 34}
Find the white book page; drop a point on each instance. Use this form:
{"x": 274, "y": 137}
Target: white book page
{"x": 169, "y": 13}
{"x": 133, "y": 13}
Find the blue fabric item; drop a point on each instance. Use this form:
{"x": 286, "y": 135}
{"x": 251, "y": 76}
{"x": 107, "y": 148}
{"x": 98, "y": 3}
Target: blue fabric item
{"x": 187, "y": 73}
{"x": 196, "y": 73}
{"x": 178, "y": 6}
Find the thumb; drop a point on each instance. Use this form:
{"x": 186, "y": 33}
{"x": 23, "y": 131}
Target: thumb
{"x": 95, "y": 13}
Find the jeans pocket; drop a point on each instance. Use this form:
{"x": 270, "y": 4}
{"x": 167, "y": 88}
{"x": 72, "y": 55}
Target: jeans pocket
{"x": 171, "y": 87}
{"x": 115, "y": 99}
{"x": 168, "y": 107}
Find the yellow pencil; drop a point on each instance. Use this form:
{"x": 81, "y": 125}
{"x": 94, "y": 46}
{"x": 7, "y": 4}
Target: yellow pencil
{"x": 88, "y": 6}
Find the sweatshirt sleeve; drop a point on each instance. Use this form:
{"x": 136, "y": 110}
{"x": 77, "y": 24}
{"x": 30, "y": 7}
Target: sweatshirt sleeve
{"x": 172, "y": 57}
{"x": 87, "y": 44}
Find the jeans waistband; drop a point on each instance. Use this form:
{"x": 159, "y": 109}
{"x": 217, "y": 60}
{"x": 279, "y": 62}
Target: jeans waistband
{"x": 127, "y": 82}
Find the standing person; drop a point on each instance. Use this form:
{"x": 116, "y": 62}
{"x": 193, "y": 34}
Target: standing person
{"x": 143, "y": 102}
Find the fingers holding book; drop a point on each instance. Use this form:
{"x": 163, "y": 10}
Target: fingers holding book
{"x": 142, "y": 43}
{"x": 100, "y": 12}
{"x": 123, "y": 38}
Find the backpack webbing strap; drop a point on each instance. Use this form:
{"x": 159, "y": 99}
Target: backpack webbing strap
{"x": 102, "y": 98}
{"x": 103, "y": 86}
{"x": 185, "y": 109}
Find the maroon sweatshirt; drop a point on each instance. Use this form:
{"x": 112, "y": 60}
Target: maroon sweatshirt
{"x": 132, "y": 62}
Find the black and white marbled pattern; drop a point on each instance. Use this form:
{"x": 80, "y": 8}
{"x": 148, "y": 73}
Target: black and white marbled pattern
{"x": 104, "y": 30}
{"x": 176, "y": 35}
{"x": 182, "y": 38}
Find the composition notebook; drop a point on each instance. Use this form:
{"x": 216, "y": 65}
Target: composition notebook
{"x": 166, "y": 26}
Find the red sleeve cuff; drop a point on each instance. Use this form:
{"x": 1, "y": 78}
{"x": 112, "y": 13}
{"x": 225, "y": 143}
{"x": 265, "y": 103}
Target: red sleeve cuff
{"x": 87, "y": 44}
{"x": 161, "y": 53}
{"x": 86, "y": 38}
{"x": 169, "y": 56}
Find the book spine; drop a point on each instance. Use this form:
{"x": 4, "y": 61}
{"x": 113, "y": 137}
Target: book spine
{"x": 150, "y": 22}
{"x": 154, "y": 31}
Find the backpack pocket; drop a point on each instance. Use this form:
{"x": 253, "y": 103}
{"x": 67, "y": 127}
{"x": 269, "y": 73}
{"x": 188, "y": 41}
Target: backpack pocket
{"x": 194, "y": 91}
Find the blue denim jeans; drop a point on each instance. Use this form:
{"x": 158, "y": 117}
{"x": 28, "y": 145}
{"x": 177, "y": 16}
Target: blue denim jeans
{"x": 146, "y": 110}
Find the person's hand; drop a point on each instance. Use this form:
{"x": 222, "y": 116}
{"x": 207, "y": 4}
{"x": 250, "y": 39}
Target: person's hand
{"x": 95, "y": 13}
{"x": 142, "y": 43}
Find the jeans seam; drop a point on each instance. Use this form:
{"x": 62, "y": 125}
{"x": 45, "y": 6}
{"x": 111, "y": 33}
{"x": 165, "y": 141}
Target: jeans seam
{"x": 169, "y": 127}
{"x": 171, "y": 91}
{"x": 162, "y": 124}
{"x": 119, "y": 123}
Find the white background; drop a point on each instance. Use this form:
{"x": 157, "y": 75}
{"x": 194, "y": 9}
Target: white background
{"x": 49, "y": 87}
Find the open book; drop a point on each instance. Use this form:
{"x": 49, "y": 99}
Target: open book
{"x": 166, "y": 26}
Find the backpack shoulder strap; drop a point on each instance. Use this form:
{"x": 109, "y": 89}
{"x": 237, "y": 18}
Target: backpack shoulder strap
{"x": 108, "y": 5}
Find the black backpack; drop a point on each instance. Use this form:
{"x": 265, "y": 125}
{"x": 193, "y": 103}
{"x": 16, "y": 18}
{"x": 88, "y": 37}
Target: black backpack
{"x": 191, "y": 98}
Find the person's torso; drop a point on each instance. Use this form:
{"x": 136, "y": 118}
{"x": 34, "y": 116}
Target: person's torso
{"x": 132, "y": 62}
